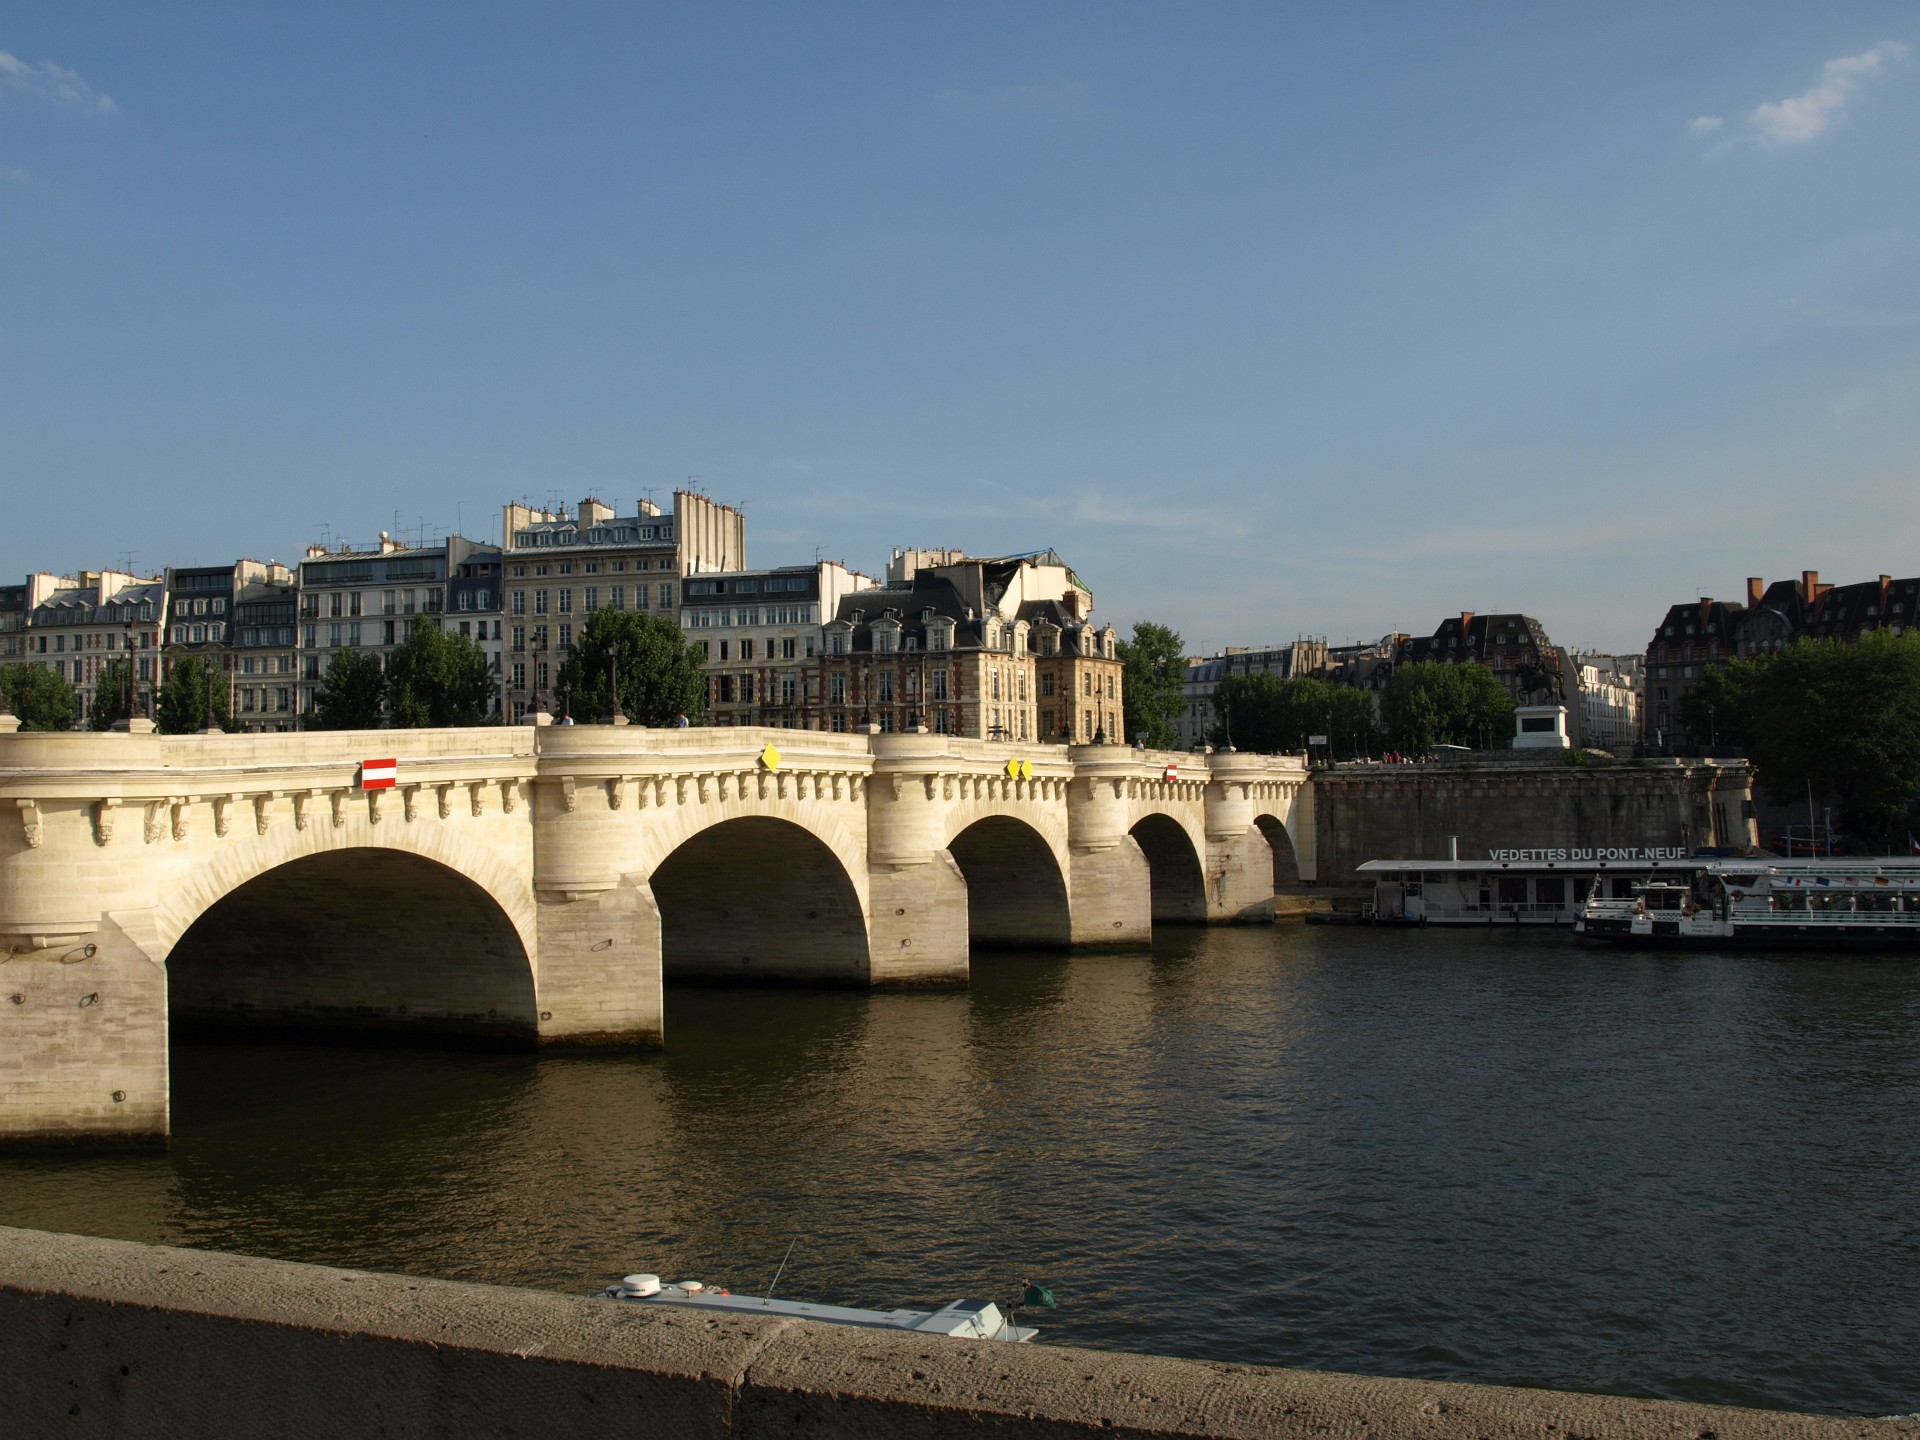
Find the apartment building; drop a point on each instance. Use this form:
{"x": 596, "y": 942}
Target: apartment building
{"x": 365, "y": 600}
{"x": 995, "y": 649}
{"x": 560, "y": 566}
{"x": 264, "y": 644}
{"x": 761, "y": 633}
{"x": 79, "y": 625}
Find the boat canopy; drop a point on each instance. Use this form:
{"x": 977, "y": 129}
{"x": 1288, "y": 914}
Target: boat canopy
{"x": 1481, "y": 867}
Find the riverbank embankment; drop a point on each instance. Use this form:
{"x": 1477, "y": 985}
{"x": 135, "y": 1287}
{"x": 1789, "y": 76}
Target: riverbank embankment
{"x": 110, "y": 1337}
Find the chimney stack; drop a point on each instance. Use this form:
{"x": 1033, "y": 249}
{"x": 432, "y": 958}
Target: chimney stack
{"x": 1809, "y": 585}
{"x": 1756, "y": 587}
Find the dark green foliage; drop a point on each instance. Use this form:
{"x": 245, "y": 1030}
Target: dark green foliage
{"x": 1154, "y": 669}
{"x": 185, "y": 695}
{"x": 1431, "y": 703}
{"x": 41, "y": 697}
{"x": 351, "y": 693}
{"x": 662, "y": 676}
{"x": 1719, "y": 709}
{"x": 1841, "y": 719}
{"x": 110, "y": 696}
{"x": 1264, "y": 713}
{"x": 439, "y": 678}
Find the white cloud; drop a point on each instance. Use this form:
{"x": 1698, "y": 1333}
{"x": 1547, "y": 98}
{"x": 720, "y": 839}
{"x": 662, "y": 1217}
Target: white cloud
{"x": 48, "y": 81}
{"x": 1705, "y": 124}
{"x": 1813, "y": 111}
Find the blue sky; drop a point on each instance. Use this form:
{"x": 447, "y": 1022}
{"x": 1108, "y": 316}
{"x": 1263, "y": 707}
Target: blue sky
{"x": 1275, "y": 320}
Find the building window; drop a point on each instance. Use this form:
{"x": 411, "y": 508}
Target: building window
{"x": 666, "y": 597}
{"x": 566, "y": 602}
{"x": 519, "y": 605}
{"x": 837, "y": 688}
{"x": 886, "y": 687}
{"x": 566, "y": 637}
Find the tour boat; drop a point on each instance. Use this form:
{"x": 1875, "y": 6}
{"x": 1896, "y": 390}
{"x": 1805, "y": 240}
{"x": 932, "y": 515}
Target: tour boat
{"x": 1539, "y": 887}
{"x": 1840, "y": 904}
{"x": 963, "y": 1319}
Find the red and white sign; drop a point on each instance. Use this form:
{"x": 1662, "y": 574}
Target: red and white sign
{"x": 378, "y": 774}
{"x": 1173, "y": 773}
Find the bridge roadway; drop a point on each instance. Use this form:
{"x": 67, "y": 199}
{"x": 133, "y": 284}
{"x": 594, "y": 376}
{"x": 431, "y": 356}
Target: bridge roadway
{"x": 529, "y": 885}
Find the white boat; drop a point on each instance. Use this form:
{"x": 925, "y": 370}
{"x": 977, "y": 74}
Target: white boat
{"x": 1852, "y": 904}
{"x": 1516, "y": 887}
{"x": 963, "y": 1319}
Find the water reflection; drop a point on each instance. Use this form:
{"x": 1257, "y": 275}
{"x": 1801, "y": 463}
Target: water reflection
{"x": 1476, "y": 1157}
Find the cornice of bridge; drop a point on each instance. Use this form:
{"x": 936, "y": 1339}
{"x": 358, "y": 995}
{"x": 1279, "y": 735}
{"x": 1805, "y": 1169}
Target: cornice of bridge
{"x": 54, "y": 766}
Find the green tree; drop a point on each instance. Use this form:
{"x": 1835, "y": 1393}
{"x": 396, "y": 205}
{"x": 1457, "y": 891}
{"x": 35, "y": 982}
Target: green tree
{"x": 439, "y": 678}
{"x": 39, "y": 695}
{"x": 662, "y": 676}
{"x": 110, "y": 696}
{"x": 1719, "y": 710}
{"x": 351, "y": 693}
{"x": 1843, "y": 720}
{"x": 1154, "y": 670}
{"x": 1262, "y": 712}
{"x": 190, "y": 686}
{"x": 1432, "y": 703}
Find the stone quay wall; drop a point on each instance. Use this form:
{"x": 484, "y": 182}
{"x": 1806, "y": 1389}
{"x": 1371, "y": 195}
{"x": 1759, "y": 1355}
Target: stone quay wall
{"x": 108, "y": 1338}
{"x": 1500, "y": 802}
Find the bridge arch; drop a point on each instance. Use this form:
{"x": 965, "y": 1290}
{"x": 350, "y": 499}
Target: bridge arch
{"x": 1286, "y": 861}
{"x": 1016, "y": 889}
{"x": 365, "y": 940}
{"x": 1177, "y": 877}
{"x": 755, "y": 897}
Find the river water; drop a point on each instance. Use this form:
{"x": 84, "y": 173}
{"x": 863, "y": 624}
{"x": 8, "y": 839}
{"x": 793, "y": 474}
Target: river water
{"x": 1472, "y": 1157}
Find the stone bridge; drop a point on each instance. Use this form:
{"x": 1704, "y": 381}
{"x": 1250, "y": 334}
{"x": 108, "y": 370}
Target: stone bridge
{"x": 539, "y": 885}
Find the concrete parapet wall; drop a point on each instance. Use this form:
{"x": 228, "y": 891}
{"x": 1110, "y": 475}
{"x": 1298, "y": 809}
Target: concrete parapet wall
{"x": 107, "y": 1337}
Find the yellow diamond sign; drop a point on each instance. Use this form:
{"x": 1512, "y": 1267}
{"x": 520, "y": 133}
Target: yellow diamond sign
{"x": 770, "y": 757}
{"x": 1026, "y": 769}
{"x": 1013, "y": 769}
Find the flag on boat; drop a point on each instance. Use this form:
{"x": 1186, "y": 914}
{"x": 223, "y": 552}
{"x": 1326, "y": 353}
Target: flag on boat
{"x": 379, "y": 774}
{"x": 1038, "y": 1295}
{"x": 1913, "y": 845}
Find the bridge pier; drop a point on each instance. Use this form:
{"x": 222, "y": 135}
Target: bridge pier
{"x": 919, "y": 930}
{"x": 1240, "y": 880}
{"x": 598, "y": 979}
{"x": 83, "y": 1041}
{"x": 1110, "y": 896}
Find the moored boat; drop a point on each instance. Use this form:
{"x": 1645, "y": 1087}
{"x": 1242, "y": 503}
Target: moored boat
{"x": 1515, "y": 887}
{"x": 1870, "y": 903}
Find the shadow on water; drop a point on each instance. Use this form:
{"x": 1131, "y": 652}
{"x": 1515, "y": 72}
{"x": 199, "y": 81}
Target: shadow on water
{"x": 1481, "y": 1157}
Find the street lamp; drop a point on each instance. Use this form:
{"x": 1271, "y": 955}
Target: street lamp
{"x": 613, "y": 682}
